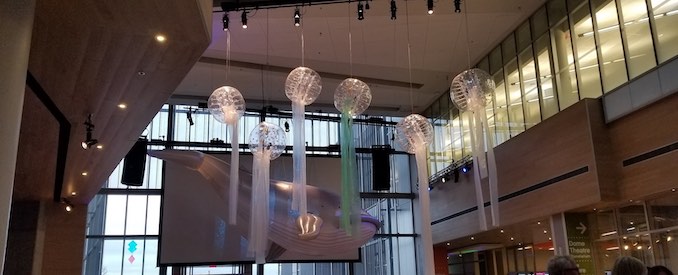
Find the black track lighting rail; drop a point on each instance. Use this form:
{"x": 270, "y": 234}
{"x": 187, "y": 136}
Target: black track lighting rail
{"x": 237, "y": 5}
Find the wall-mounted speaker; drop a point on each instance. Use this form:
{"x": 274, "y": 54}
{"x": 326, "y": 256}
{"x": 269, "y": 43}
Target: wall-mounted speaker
{"x": 135, "y": 163}
{"x": 381, "y": 167}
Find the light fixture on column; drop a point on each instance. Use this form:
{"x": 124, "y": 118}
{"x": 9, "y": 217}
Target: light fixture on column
{"x": 429, "y": 4}
{"x": 243, "y": 19}
{"x": 297, "y": 17}
{"x": 89, "y": 127}
{"x": 361, "y": 11}
{"x": 225, "y": 20}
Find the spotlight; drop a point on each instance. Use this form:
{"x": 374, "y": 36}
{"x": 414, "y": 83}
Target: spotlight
{"x": 67, "y": 205}
{"x": 189, "y": 116}
{"x": 243, "y": 19}
{"x": 297, "y": 17}
{"x": 443, "y": 179}
{"x": 287, "y": 127}
{"x": 89, "y": 141}
{"x": 367, "y": 4}
{"x": 429, "y": 4}
{"x": 361, "y": 12}
{"x": 224, "y": 20}
{"x": 393, "y": 9}
{"x": 457, "y": 6}
{"x": 466, "y": 168}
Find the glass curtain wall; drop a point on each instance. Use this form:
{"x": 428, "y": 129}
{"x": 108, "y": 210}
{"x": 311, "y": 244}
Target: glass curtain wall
{"x": 566, "y": 51}
{"x": 123, "y": 222}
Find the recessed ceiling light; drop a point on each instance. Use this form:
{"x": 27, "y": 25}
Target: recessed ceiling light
{"x": 472, "y": 238}
{"x": 539, "y": 222}
{"x": 160, "y": 38}
{"x": 73, "y": 193}
{"x": 122, "y": 106}
{"x": 448, "y": 243}
{"x": 84, "y": 173}
{"x": 673, "y": 189}
{"x": 501, "y": 231}
{"x": 141, "y": 73}
{"x": 100, "y": 146}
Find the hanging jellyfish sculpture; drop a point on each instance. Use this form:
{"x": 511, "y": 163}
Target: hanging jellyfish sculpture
{"x": 227, "y": 105}
{"x": 471, "y": 90}
{"x": 351, "y": 98}
{"x": 415, "y": 133}
{"x": 302, "y": 87}
{"x": 267, "y": 142}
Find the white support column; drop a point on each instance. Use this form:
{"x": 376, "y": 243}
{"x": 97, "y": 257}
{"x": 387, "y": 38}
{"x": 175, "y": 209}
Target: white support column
{"x": 559, "y": 234}
{"x": 16, "y": 28}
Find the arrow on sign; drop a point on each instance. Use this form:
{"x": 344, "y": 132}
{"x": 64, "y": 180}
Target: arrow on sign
{"x": 581, "y": 227}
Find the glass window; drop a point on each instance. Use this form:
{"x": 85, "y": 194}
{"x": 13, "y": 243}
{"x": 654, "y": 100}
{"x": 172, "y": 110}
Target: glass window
{"x": 496, "y": 63}
{"x": 613, "y": 67}
{"x": 523, "y": 36}
{"x": 539, "y": 22}
{"x": 639, "y": 48}
{"x": 515, "y": 108}
{"x": 115, "y": 215}
{"x": 111, "y": 262}
{"x": 563, "y": 61}
{"x": 135, "y": 222}
{"x": 665, "y": 21}
{"x": 556, "y": 12}
{"x": 530, "y": 91}
{"x": 457, "y": 133}
{"x": 484, "y": 64}
{"x": 501, "y": 119}
{"x": 508, "y": 48}
{"x": 587, "y": 56}
{"x": 549, "y": 101}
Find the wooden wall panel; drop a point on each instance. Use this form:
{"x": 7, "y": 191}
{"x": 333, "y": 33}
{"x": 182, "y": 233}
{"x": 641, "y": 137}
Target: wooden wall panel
{"x": 640, "y": 132}
{"x": 525, "y": 166}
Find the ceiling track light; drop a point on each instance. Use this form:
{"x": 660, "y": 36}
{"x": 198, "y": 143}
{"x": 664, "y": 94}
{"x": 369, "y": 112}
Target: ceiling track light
{"x": 225, "y": 20}
{"x": 361, "y": 11}
{"x": 367, "y": 4}
{"x": 457, "y": 6}
{"x": 243, "y": 19}
{"x": 68, "y": 206}
{"x": 394, "y": 8}
{"x": 89, "y": 127}
{"x": 429, "y": 4}
{"x": 297, "y": 17}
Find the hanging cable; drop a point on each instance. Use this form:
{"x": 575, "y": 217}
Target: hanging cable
{"x": 409, "y": 54}
{"x": 350, "y": 43}
{"x": 468, "y": 41}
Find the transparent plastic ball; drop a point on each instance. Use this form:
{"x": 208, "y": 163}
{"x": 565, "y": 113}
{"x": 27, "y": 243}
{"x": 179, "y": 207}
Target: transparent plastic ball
{"x": 352, "y": 96}
{"x": 303, "y": 85}
{"x": 226, "y": 104}
{"x": 414, "y": 130}
{"x": 472, "y": 89}
{"x": 267, "y": 136}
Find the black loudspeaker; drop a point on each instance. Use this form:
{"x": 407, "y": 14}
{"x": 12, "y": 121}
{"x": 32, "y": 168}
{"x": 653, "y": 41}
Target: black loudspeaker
{"x": 135, "y": 163}
{"x": 381, "y": 168}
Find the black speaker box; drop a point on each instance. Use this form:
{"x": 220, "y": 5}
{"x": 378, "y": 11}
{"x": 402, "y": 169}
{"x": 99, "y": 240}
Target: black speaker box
{"x": 135, "y": 163}
{"x": 381, "y": 168}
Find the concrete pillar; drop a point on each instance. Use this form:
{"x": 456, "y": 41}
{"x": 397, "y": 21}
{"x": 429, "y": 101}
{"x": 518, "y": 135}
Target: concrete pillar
{"x": 559, "y": 234}
{"x": 16, "y": 28}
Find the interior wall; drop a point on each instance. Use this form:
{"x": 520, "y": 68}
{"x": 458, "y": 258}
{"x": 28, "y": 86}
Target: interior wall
{"x": 534, "y": 170}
